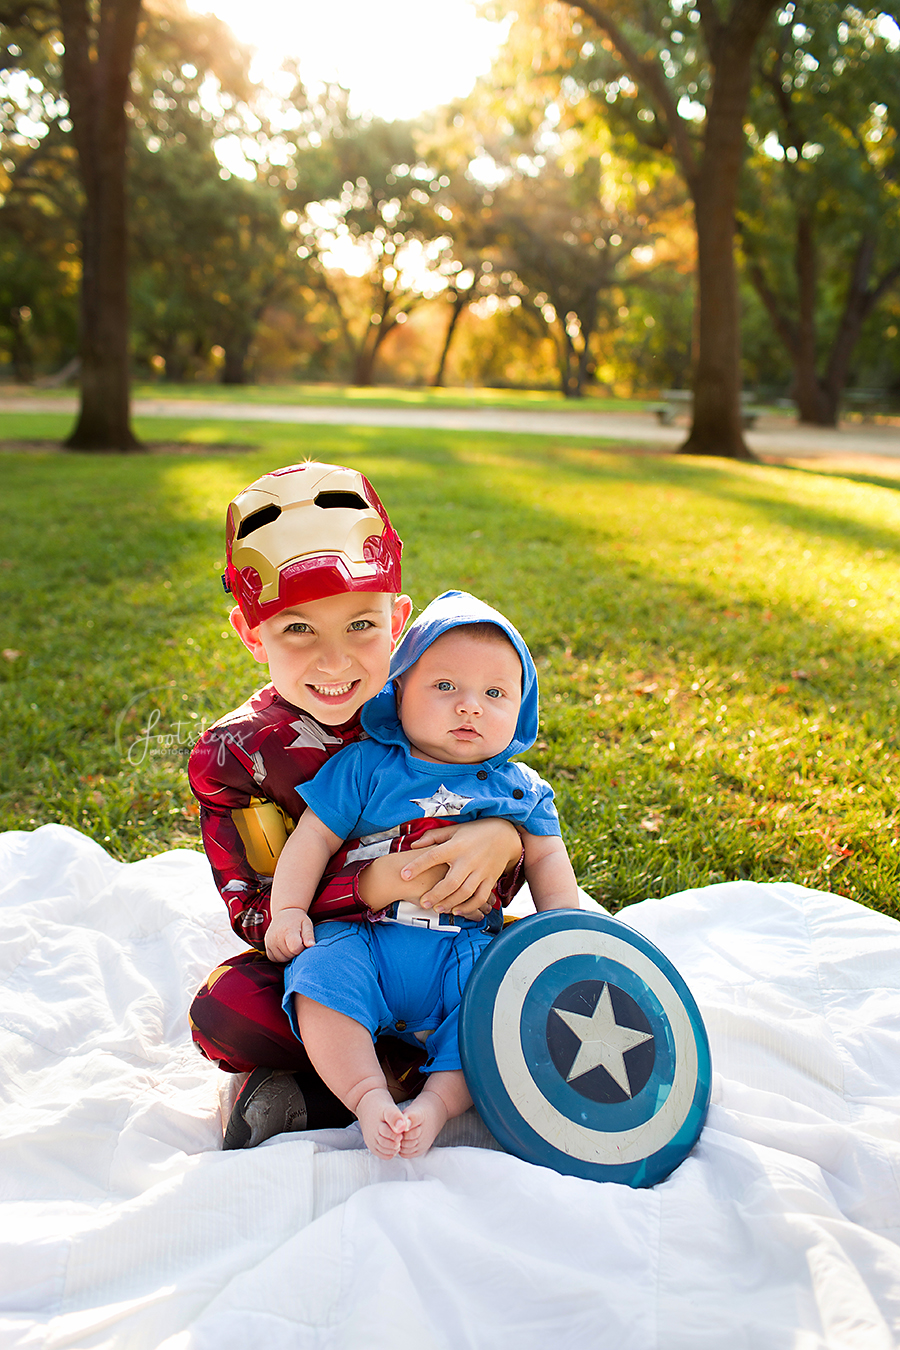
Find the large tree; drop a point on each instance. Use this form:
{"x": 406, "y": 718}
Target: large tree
{"x": 39, "y": 206}
{"x": 99, "y": 42}
{"x": 203, "y": 244}
{"x": 360, "y": 190}
{"x": 574, "y": 235}
{"x": 825, "y": 174}
{"x": 678, "y": 78}
{"x": 209, "y": 250}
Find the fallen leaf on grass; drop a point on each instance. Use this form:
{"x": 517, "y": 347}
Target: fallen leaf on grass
{"x": 652, "y": 822}
{"x": 10, "y": 654}
{"x": 836, "y": 850}
{"x": 800, "y": 675}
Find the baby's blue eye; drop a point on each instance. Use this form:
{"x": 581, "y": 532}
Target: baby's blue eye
{"x": 494, "y": 693}
{"x": 445, "y": 686}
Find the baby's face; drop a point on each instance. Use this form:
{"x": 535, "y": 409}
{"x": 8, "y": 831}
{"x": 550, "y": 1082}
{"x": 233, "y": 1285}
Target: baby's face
{"x": 459, "y": 703}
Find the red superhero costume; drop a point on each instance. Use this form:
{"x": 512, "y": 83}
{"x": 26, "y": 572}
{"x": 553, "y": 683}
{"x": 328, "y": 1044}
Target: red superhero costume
{"x": 295, "y": 537}
{"x": 257, "y": 754}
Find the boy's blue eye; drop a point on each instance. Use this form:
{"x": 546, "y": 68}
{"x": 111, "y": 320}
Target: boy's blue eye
{"x": 360, "y": 625}
{"x": 298, "y": 628}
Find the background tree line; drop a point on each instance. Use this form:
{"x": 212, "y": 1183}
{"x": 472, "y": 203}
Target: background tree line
{"x": 549, "y": 228}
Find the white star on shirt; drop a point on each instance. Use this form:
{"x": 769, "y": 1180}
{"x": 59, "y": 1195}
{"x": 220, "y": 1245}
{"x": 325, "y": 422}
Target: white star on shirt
{"x": 603, "y": 1041}
{"x": 443, "y": 803}
{"x": 311, "y": 736}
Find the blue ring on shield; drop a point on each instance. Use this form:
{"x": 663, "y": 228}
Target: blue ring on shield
{"x": 584, "y": 1050}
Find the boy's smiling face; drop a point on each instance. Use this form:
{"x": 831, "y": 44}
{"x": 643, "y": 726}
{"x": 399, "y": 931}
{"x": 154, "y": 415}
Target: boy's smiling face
{"x": 459, "y": 703}
{"x": 329, "y": 656}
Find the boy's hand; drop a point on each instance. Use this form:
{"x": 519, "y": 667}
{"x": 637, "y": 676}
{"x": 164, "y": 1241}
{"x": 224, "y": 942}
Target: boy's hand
{"x": 475, "y": 853}
{"x": 288, "y": 934}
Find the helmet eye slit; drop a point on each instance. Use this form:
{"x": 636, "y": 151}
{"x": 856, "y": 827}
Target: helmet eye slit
{"x": 341, "y": 500}
{"x": 257, "y": 519}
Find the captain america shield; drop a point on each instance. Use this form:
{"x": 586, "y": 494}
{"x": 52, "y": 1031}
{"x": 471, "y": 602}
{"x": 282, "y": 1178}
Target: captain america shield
{"x": 584, "y": 1050}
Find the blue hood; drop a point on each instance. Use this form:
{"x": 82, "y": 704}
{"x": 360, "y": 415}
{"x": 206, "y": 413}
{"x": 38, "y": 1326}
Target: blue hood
{"x": 451, "y": 610}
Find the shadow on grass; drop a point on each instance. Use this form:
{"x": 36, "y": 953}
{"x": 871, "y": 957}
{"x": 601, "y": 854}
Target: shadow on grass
{"x": 111, "y": 568}
{"x": 823, "y": 469}
{"x": 531, "y": 527}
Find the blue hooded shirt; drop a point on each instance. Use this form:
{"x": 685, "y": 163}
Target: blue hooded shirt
{"x": 377, "y": 785}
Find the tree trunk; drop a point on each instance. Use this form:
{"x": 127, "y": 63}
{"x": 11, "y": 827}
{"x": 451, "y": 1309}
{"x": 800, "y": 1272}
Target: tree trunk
{"x": 97, "y": 87}
{"x": 234, "y": 368}
{"x": 460, "y": 300}
{"x": 364, "y": 364}
{"x": 717, "y": 428}
{"x": 21, "y": 356}
{"x": 799, "y": 334}
{"x": 858, "y": 306}
{"x": 818, "y": 397}
{"x": 812, "y": 405}
{"x": 588, "y": 322}
{"x": 575, "y": 367}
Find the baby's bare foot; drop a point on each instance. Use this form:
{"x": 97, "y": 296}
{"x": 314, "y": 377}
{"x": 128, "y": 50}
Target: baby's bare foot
{"x": 383, "y": 1125}
{"x": 427, "y": 1115}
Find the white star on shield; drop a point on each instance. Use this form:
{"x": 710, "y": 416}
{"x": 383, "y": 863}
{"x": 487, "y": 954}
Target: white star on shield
{"x": 603, "y": 1041}
{"x": 443, "y": 803}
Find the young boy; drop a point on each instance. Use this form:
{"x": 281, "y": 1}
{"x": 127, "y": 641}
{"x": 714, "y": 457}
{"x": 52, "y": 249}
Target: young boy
{"x": 464, "y": 701}
{"x": 314, "y": 565}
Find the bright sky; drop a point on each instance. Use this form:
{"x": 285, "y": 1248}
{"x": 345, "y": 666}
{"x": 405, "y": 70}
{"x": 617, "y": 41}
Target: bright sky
{"x": 397, "y": 57}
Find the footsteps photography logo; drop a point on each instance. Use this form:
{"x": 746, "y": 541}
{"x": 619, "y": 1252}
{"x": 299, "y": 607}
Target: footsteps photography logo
{"x": 150, "y": 727}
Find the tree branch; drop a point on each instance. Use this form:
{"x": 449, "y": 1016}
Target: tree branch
{"x": 884, "y": 285}
{"x": 786, "y": 330}
{"x": 649, "y": 75}
{"x": 711, "y": 23}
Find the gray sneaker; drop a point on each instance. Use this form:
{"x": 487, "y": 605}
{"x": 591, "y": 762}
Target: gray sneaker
{"x": 270, "y": 1102}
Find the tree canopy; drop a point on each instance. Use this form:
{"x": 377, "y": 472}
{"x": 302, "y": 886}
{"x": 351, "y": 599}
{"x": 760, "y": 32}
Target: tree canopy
{"x": 573, "y": 219}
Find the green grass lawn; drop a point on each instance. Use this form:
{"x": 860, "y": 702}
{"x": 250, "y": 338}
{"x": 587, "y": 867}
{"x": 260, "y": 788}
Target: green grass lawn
{"x": 717, "y": 642}
{"x": 394, "y": 396}
{"x": 385, "y": 396}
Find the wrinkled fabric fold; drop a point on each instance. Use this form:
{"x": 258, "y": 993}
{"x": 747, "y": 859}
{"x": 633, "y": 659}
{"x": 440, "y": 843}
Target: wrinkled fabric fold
{"x": 123, "y": 1224}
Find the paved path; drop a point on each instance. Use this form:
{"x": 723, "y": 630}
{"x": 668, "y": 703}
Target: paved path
{"x": 774, "y": 436}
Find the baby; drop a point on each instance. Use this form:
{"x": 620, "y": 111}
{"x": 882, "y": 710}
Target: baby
{"x": 463, "y": 700}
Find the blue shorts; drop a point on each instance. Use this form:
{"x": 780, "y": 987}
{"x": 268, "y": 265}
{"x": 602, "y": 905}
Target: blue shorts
{"x": 391, "y": 978}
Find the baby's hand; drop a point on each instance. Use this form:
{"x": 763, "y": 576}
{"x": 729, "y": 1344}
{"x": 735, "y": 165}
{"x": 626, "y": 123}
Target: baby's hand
{"x": 288, "y": 934}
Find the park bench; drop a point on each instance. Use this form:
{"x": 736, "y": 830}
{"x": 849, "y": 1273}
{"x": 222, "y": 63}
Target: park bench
{"x": 867, "y": 402}
{"x": 682, "y": 400}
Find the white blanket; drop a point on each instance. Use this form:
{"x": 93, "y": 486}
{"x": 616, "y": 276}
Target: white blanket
{"x": 124, "y": 1225}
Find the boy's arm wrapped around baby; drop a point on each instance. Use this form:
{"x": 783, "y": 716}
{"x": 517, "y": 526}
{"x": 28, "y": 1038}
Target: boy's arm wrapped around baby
{"x": 459, "y": 861}
{"x": 247, "y": 764}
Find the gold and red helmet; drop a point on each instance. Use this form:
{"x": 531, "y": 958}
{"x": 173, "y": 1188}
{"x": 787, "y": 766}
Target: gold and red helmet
{"x": 304, "y": 532}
